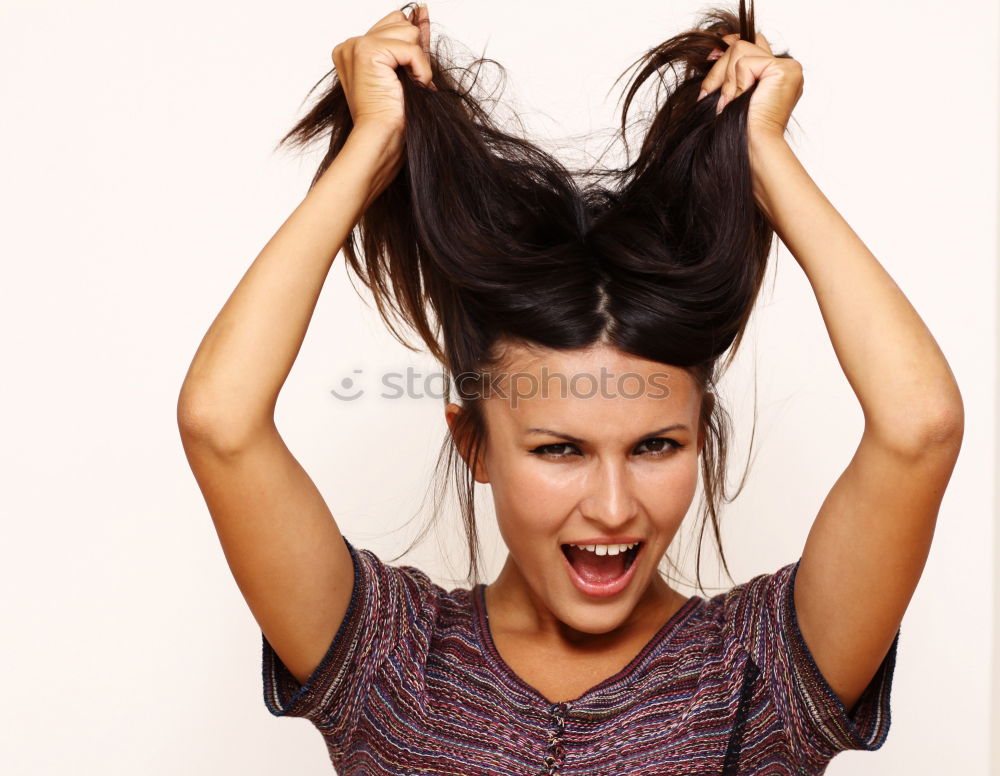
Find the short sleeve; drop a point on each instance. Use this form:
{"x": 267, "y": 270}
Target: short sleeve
{"x": 390, "y": 613}
{"x": 818, "y": 726}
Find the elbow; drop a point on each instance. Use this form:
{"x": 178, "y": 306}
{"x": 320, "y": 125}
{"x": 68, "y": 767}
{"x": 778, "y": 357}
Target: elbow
{"x": 196, "y": 421}
{"x": 945, "y": 424}
{"x": 947, "y": 429}
{"x": 936, "y": 430}
{"x": 192, "y": 420}
{"x": 206, "y": 422}
{"x": 193, "y": 412}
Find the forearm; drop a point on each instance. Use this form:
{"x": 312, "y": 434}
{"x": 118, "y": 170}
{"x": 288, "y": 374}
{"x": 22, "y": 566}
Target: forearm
{"x": 905, "y": 387}
{"x": 237, "y": 372}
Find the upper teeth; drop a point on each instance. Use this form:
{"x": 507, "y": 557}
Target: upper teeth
{"x": 606, "y": 549}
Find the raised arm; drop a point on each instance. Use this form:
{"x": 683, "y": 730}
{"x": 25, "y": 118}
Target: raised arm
{"x": 281, "y": 542}
{"x": 868, "y": 545}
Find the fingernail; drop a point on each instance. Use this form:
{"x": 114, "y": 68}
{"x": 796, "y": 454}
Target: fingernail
{"x": 703, "y": 93}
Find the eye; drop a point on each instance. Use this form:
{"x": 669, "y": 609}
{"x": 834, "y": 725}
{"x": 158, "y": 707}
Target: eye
{"x": 546, "y": 451}
{"x": 668, "y": 445}
{"x": 661, "y": 446}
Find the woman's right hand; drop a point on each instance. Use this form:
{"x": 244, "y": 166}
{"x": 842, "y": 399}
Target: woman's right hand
{"x": 366, "y": 67}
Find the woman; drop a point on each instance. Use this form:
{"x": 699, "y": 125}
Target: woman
{"x": 623, "y": 294}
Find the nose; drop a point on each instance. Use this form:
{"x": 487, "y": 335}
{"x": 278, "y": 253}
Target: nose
{"x": 610, "y": 500}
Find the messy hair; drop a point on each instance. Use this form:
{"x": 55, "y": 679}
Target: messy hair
{"x": 483, "y": 239}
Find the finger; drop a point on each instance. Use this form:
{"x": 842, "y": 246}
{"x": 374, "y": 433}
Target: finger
{"x": 717, "y": 74}
{"x": 399, "y": 31}
{"x": 730, "y": 88}
{"x": 411, "y": 17}
{"x": 414, "y": 58}
{"x": 723, "y": 71}
{"x": 738, "y": 50}
{"x": 419, "y": 17}
{"x": 761, "y": 43}
{"x": 393, "y": 17}
{"x": 748, "y": 71}
{"x": 424, "y": 24}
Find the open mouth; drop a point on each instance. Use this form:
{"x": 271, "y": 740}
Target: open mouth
{"x": 603, "y": 566}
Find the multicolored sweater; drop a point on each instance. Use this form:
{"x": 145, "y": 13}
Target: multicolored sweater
{"x": 413, "y": 684}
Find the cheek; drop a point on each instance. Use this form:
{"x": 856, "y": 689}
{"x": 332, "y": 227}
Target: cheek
{"x": 530, "y": 502}
{"x": 669, "y": 492}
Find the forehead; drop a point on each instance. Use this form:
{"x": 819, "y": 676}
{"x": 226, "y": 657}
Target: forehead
{"x": 598, "y": 387}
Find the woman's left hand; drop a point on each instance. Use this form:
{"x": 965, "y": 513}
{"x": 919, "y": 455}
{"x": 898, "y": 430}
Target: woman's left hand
{"x": 779, "y": 88}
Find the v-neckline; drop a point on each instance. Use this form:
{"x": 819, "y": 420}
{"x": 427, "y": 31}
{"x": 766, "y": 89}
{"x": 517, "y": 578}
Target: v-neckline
{"x": 489, "y": 648}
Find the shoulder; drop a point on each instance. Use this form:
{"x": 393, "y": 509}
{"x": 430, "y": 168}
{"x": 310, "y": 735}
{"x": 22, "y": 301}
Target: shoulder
{"x": 742, "y": 621}
{"x": 744, "y": 611}
{"x": 406, "y": 593}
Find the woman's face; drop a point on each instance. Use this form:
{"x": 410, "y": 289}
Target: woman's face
{"x": 609, "y": 454}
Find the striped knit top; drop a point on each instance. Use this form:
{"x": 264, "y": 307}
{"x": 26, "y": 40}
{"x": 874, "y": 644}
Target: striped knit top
{"x": 412, "y": 683}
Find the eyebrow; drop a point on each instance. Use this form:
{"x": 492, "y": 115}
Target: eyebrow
{"x": 571, "y": 438}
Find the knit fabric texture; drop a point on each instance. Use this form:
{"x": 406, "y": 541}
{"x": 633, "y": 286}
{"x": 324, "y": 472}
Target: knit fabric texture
{"x": 412, "y": 683}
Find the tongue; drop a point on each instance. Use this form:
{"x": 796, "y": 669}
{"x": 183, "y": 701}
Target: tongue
{"x": 596, "y": 568}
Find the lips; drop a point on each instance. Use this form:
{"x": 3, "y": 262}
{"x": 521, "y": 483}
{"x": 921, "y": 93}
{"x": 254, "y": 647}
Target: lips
{"x": 610, "y": 587}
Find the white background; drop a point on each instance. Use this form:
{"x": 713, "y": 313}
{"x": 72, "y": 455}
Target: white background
{"x": 139, "y": 181}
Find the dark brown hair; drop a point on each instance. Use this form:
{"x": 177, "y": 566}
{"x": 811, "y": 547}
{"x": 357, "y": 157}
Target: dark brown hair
{"x": 483, "y": 239}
